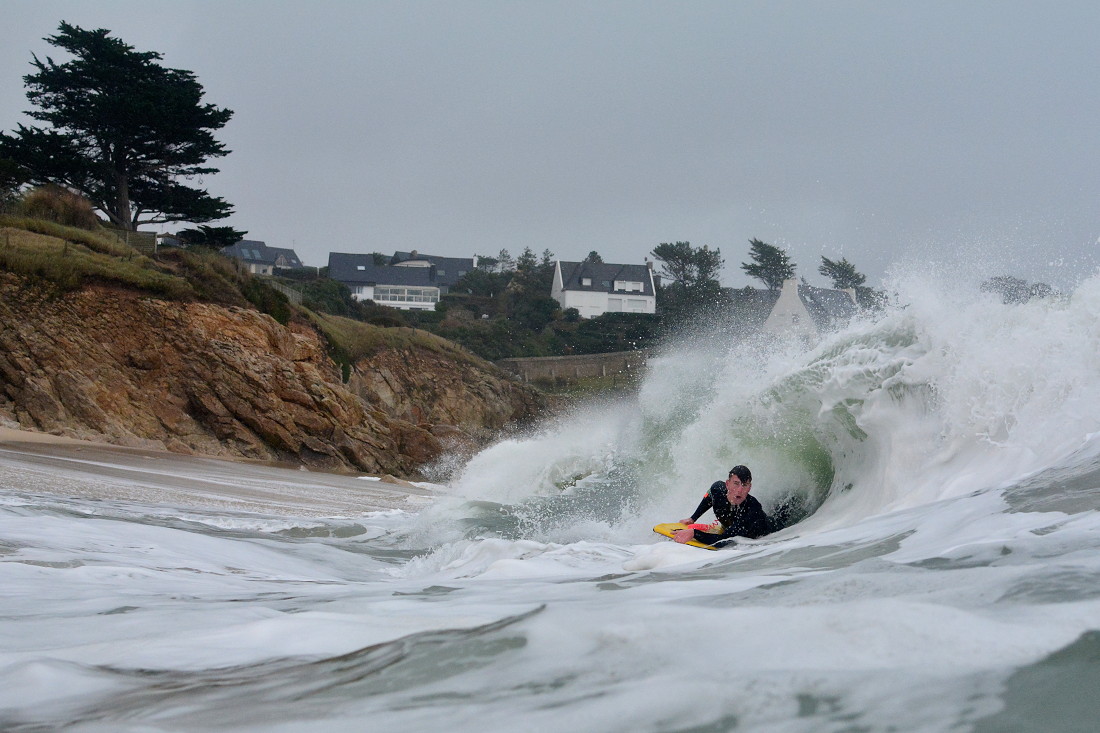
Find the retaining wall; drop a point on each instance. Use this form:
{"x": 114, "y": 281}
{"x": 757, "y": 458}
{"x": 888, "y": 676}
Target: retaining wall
{"x": 568, "y": 368}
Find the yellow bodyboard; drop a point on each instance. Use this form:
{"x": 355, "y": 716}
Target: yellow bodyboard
{"x": 670, "y": 527}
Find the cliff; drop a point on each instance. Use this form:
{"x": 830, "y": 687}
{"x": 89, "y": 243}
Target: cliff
{"x": 114, "y": 364}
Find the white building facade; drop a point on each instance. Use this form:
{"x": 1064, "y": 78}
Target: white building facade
{"x": 407, "y": 288}
{"x": 595, "y": 288}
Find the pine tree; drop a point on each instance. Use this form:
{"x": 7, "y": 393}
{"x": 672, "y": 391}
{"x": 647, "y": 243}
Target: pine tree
{"x": 122, "y": 130}
{"x": 843, "y": 273}
{"x": 771, "y": 265}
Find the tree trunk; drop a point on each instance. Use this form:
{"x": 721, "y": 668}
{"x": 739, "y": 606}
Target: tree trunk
{"x": 122, "y": 202}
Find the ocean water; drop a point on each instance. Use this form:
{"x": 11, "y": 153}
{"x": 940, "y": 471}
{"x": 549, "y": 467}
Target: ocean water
{"x": 944, "y": 462}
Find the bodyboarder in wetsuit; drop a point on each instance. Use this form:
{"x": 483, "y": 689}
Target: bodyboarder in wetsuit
{"x": 739, "y": 514}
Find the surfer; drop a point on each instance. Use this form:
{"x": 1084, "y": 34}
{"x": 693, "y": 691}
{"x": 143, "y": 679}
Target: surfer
{"x": 739, "y": 515}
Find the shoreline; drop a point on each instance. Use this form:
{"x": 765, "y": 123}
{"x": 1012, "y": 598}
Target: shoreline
{"x": 95, "y": 470}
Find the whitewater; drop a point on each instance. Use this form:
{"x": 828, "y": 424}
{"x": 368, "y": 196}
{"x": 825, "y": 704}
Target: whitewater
{"x": 943, "y": 575}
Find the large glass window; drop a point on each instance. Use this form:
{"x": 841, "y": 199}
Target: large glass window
{"x": 398, "y": 294}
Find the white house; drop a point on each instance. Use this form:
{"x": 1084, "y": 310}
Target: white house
{"x": 595, "y": 288}
{"x": 805, "y": 311}
{"x": 407, "y": 288}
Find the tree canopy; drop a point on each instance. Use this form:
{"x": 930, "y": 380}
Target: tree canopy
{"x": 211, "y": 236}
{"x": 770, "y": 264}
{"x": 122, "y": 130}
{"x": 693, "y": 275}
{"x": 687, "y": 265}
{"x": 843, "y": 273}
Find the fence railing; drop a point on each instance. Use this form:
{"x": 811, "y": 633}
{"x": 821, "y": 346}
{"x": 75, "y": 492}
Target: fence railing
{"x": 144, "y": 242}
{"x": 294, "y": 296}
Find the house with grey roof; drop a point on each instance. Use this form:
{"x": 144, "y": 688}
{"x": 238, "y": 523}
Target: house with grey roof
{"x": 595, "y": 288}
{"x": 407, "y": 288}
{"x": 447, "y": 270}
{"x": 261, "y": 259}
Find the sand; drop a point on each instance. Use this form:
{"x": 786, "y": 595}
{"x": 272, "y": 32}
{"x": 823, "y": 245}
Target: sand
{"x": 44, "y": 463}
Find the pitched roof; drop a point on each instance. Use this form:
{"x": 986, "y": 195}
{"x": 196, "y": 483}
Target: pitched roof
{"x": 829, "y": 308}
{"x": 255, "y": 251}
{"x": 602, "y": 276}
{"x": 448, "y": 270}
{"x": 360, "y": 269}
{"x": 754, "y": 305}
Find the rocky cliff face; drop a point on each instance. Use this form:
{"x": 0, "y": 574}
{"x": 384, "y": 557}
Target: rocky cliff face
{"x": 115, "y": 365}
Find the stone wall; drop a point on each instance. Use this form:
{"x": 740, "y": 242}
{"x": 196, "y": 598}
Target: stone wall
{"x": 570, "y": 368}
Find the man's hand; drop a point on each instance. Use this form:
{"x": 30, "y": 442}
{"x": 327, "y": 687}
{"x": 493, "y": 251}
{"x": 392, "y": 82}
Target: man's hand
{"x": 683, "y": 535}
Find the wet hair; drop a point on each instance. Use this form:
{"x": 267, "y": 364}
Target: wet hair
{"x": 743, "y": 473}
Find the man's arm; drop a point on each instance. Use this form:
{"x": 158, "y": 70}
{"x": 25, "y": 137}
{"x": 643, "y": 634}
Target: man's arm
{"x": 705, "y": 504}
{"x": 702, "y": 508}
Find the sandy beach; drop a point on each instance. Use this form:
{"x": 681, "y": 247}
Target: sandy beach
{"x": 47, "y": 463}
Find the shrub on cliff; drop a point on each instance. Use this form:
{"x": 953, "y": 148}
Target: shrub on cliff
{"x": 267, "y": 299}
{"x": 221, "y": 280}
{"x": 59, "y": 205}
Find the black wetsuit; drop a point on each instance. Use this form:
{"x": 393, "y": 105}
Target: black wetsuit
{"x": 747, "y": 519}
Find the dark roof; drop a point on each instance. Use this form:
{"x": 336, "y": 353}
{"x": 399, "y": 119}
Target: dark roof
{"x": 602, "y": 272}
{"x": 753, "y": 306}
{"x": 829, "y": 308}
{"x": 255, "y": 251}
{"x": 447, "y": 269}
{"x": 357, "y": 269}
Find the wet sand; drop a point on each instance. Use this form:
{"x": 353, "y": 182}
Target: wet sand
{"x": 44, "y": 463}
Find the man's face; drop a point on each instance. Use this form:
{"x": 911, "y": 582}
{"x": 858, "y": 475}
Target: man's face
{"x": 737, "y": 491}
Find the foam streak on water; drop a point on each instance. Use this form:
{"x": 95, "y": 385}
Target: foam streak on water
{"x": 945, "y": 575}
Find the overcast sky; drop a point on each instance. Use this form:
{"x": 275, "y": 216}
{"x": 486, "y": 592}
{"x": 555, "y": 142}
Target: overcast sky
{"x": 883, "y": 132}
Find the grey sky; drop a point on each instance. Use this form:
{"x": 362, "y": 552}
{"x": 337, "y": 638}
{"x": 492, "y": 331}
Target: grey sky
{"x": 883, "y": 132}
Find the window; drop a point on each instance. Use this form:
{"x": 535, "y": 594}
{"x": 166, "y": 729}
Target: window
{"x": 586, "y": 282}
{"x": 629, "y": 286}
{"x": 360, "y": 267}
{"x": 401, "y": 294}
{"x": 614, "y": 305}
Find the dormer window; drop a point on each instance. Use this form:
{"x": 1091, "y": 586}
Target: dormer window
{"x": 586, "y": 282}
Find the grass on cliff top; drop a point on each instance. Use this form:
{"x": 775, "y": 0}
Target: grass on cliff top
{"x": 354, "y": 340}
{"x": 68, "y": 257}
